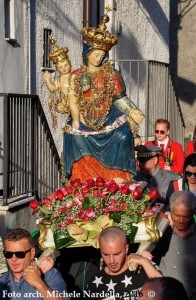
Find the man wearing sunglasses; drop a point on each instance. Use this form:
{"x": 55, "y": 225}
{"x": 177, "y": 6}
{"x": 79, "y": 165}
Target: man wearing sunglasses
{"x": 171, "y": 154}
{"x": 149, "y": 171}
{"x": 24, "y": 279}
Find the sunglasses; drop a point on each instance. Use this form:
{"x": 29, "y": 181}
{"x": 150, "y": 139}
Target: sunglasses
{"x": 18, "y": 254}
{"x": 189, "y": 174}
{"x": 159, "y": 131}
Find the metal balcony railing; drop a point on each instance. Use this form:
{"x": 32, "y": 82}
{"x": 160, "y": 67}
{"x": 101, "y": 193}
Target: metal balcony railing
{"x": 149, "y": 86}
{"x": 29, "y": 161}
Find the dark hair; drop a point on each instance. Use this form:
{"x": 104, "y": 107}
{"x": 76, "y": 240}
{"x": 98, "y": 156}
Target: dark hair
{"x": 172, "y": 289}
{"x": 164, "y": 121}
{"x": 19, "y": 234}
{"x": 190, "y": 160}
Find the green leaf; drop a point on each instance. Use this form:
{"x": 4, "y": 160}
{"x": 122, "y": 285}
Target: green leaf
{"x": 135, "y": 218}
{"x": 86, "y": 204}
{"x": 63, "y": 240}
{"x": 116, "y": 217}
{"x": 132, "y": 234}
{"x": 45, "y": 210}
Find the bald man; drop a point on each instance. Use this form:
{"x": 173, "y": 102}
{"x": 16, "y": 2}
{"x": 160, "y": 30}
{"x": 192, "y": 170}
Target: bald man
{"x": 115, "y": 279}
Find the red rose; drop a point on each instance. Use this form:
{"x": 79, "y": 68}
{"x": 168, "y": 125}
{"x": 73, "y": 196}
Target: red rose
{"x": 47, "y": 201}
{"x": 153, "y": 194}
{"x": 85, "y": 191}
{"x": 68, "y": 190}
{"x": 113, "y": 187}
{"x": 123, "y": 205}
{"x": 125, "y": 190}
{"x": 90, "y": 183}
{"x": 137, "y": 193}
{"x": 90, "y": 214}
{"x": 34, "y": 204}
{"x": 99, "y": 182}
{"x": 75, "y": 183}
{"x": 59, "y": 194}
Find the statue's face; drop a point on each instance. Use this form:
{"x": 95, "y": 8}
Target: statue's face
{"x": 95, "y": 57}
{"x": 63, "y": 67}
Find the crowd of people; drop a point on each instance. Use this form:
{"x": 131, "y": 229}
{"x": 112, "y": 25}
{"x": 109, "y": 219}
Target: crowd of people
{"x": 102, "y": 119}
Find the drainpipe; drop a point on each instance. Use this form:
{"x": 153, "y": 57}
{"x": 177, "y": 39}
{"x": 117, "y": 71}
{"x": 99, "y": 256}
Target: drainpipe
{"x": 86, "y": 12}
{"x": 29, "y": 43}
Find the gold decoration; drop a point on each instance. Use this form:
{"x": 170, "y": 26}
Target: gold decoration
{"x": 52, "y": 107}
{"x": 102, "y": 86}
{"x": 59, "y": 101}
{"x": 100, "y": 38}
{"x": 151, "y": 229}
{"x": 57, "y": 54}
{"x": 46, "y": 239}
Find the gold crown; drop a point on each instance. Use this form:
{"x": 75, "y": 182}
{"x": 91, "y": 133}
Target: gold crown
{"x": 57, "y": 54}
{"x": 100, "y": 38}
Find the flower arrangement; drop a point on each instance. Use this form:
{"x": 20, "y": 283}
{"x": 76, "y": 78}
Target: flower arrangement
{"x": 78, "y": 212}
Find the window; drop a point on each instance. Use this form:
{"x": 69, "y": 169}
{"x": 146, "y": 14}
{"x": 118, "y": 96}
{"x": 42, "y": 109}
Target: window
{"x": 10, "y": 20}
{"x": 46, "y": 47}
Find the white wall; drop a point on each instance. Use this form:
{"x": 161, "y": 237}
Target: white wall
{"x": 145, "y": 30}
{"x": 12, "y": 62}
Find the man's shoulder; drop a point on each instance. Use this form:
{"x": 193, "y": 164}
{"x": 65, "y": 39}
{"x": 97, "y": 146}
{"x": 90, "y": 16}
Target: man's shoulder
{"x": 169, "y": 175}
{"x": 52, "y": 273}
{"x": 175, "y": 144}
{"x": 4, "y": 278}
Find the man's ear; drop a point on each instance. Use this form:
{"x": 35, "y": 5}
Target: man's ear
{"x": 156, "y": 160}
{"x": 32, "y": 253}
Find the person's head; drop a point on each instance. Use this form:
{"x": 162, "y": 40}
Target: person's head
{"x": 95, "y": 57}
{"x": 64, "y": 66}
{"x": 163, "y": 288}
{"x": 19, "y": 250}
{"x": 162, "y": 127}
{"x": 98, "y": 39}
{"x": 183, "y": 207}
{"x": 148, "y": 157}
{"x": 113, "y": 247}
{"x": 59, "y": 56}
{"x": 189, "y": 169}
{"x": 137, "y": 140}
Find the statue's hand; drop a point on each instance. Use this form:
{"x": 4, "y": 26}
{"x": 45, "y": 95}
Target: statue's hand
{"x": 136, "y": 115}
{"x": 86, "y": 88}
{"x": 46, "y": 76}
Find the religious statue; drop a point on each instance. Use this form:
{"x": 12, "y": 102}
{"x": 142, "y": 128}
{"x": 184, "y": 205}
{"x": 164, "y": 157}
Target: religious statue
{"x": 103, "y": 144}
{"x": 62, "y": 99}
{"x": 98, "y": 135}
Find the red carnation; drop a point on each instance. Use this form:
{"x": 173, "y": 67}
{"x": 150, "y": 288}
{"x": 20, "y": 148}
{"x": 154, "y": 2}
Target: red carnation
{"x": 137, "y": 193}
{"x": 59, "y": 194}
{"x": 34, "y": 204}
{"x": 153, "y": 194}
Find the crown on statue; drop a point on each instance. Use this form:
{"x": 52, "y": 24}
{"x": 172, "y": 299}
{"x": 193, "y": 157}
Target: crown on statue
{"x": 57, "y": 54}
{"x": 100, "y": 38}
